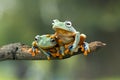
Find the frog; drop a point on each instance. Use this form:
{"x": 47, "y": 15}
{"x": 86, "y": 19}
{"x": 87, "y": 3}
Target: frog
{"x": 66, "y": 33}
{"x": 47, "y": 45}
{"x": 43, "y": 43}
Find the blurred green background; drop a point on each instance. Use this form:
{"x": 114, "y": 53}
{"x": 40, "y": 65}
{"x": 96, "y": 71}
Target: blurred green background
{"x": 21, "y": 20}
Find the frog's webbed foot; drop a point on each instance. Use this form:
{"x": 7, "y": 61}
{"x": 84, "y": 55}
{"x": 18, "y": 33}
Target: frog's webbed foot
{"x": 85, "y": 48}
{"x": 47, "y": 54}
{"x": 55, "y": 54}
{"x": 33, "y": 51}
{"x": 61, "y": 57}
{"x": 63, "y": 54}
{"x": 48, "y": 57}
{"x": 67, "y": 51}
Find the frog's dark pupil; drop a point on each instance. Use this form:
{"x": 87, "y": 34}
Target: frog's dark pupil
{"x": 36, "y": 39}
{"x": 52, "y": 40}
{"x": 68, "y": 23}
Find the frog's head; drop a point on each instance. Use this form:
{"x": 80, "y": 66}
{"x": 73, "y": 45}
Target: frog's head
{"x": 67, "y": 25}
{"x": 45, "y": 41}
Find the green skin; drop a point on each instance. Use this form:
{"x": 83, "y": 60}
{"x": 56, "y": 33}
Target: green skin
{"x": 44, "y": 42}
{"x": 67, "y": 26}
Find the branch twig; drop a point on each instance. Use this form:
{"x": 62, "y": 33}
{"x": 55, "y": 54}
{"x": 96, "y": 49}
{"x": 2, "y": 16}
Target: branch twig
{"x": 18, "y": 51}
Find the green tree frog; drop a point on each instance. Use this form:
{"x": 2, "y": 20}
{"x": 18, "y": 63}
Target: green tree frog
{"x": 44, "y": 43}
{"x": 66, "y": 33}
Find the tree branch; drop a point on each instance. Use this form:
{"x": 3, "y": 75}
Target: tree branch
{"x": 18, "y": 51}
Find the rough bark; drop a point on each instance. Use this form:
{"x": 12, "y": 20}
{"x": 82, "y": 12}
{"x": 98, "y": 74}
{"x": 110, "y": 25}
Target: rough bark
{"x": 19, "y": 51}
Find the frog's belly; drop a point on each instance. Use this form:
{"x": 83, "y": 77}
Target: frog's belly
{"x": 66, "y": 40}
{"x": 65, "y": 36}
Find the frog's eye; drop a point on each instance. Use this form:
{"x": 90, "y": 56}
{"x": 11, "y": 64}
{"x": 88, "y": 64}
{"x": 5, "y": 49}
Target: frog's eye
{"x": 37, "y": 37}
{"x": 68, "y": 23}
{"x": 52, "y": 40}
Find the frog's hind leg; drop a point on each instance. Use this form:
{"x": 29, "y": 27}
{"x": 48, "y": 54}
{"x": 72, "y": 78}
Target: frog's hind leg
{"x": 86, "y": 49}
{"x": 84, "y": 45}
{"x": 82, "y": 39}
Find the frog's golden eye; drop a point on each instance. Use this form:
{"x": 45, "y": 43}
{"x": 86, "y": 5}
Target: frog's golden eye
{"x": 68, "y": 23}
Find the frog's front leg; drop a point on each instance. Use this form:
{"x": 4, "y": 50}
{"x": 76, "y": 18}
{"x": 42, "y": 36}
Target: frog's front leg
{"x": 34, "y": 50}
{"x": 76, "y": 42}
{"x": 46, "y": 53}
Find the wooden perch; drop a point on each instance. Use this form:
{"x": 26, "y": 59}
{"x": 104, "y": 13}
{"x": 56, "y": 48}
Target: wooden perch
{"x": 18, "y": 51}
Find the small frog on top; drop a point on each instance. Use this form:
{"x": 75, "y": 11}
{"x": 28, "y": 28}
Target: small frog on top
{"x": 66, "y": 40}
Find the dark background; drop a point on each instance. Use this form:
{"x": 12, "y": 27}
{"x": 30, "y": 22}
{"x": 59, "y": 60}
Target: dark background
{"x": 21, "y": 20}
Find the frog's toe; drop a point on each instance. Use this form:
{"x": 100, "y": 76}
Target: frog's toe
{"x": 33, "y": 54}
{"x": 57, "y": 54}
{"x": 86, "y": 48}
{"x": 30, "y": 50}
{"x": 67, "y": 51}
{"x": 82, "y": 48}
{"x": 63, "y": 54}
{"x": 60, "y": 57}
{"x": 36, "y": 51}
{"x": 48, "y": 57}
{"x": 76, "y": 49}
{"x": 89, "y": 50}
{"x": 54, "y": 54}
{"x": 85, "y": 53}
{"x": 71, "y": 53}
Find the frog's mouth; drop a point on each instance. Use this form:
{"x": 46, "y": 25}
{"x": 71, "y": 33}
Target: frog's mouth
{"x": 55, "y": 21}
{"x": 62, "y": 31}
